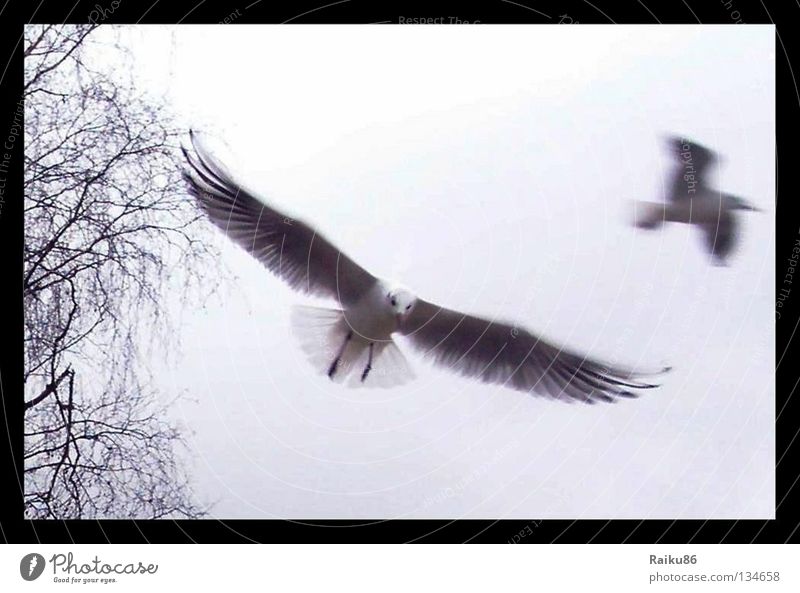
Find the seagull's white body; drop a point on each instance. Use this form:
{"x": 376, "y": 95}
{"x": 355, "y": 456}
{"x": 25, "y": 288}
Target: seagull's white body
{"x": 372, "y": 318}
{"x": 356, "y": 340}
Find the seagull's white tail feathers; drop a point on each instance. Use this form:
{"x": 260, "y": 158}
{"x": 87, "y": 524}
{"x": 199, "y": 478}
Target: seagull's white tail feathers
{"x": 320, "y": 332}
{"x": 389, "y": 367}
{"x": 334, "y": 350}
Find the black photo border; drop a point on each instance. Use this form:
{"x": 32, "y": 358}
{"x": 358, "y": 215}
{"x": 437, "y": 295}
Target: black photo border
{"x": 14, "y": 528}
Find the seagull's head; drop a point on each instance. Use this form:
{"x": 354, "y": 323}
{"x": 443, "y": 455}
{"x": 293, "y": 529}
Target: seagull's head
{"x": 402, "y": 301}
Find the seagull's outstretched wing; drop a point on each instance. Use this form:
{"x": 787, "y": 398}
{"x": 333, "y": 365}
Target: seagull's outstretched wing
{"x": 495, "y": 352}
{"x": 721, "y": 236}
{"x": 288, "y": 247}
{"x": 692, "y": 162}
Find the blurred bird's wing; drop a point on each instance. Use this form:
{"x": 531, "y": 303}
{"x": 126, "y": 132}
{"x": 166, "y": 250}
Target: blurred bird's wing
{"x": 288, "y": 247}
{"x": 692, "y": 163}
{"x": 720, "y": 236}
{"x": 501, "y": 353}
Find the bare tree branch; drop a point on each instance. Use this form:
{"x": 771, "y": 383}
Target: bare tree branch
{"x": 51, "y": 387}
{"x": 111, "y": 244}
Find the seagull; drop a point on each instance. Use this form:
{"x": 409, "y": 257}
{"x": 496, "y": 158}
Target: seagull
{"x": 354, "y": 342}
{"x": 692, "y": 201}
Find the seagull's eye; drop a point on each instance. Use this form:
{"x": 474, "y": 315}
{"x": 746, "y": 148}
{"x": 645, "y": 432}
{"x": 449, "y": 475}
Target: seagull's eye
{"x": 408, "y": 307}
{"x": 394, "y": 302}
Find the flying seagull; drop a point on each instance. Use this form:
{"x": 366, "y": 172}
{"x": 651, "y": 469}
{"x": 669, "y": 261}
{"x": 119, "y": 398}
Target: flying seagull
{"x": 355, "y": 340}
{"x": 690, "y": 200}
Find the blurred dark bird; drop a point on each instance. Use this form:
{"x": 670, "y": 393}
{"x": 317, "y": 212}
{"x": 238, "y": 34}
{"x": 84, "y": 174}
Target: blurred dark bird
{"x": 690, "y": 200}
{"x": 355, "y": 339}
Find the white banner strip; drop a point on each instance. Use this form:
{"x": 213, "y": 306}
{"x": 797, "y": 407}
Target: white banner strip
{"x": 380, "y": 568}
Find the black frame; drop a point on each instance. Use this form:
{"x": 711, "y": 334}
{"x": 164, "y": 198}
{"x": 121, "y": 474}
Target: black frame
{"x": 14, "y": 528}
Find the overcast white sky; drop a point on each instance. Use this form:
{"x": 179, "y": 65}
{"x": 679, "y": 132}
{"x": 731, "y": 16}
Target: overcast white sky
{"x": 491, "y": 169}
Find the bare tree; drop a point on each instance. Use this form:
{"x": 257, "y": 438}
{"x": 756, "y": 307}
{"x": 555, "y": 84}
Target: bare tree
{"x": 108, "y": 235}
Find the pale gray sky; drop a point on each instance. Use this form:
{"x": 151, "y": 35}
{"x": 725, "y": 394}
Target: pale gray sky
{"x": 490, "y": 169}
